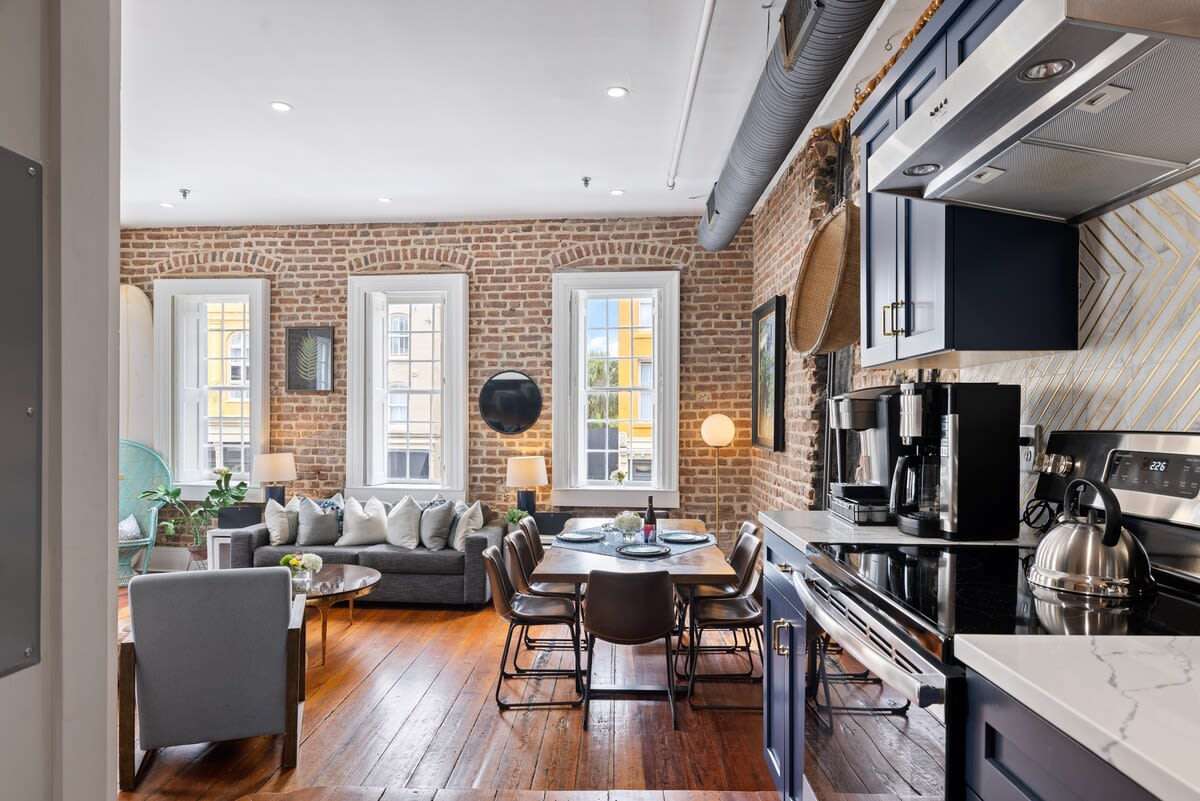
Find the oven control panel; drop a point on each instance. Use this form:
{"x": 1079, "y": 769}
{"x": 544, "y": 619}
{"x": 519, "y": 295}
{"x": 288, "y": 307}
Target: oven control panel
{"x": 1173, "y": 474}
{"x": 1154, "y": 474}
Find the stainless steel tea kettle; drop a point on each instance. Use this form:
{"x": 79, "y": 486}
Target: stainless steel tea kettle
{"x": 1085, "y": 558}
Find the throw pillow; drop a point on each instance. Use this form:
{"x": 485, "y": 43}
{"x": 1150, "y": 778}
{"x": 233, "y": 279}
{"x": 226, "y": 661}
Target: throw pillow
{"x": 317, "y": 526}
{"x": 467, "y": 520}
{"x": 364, "y": 524}
{"x": 435, "y": 523}
{"x": 404, "y": 524}
{"x": 128, "y": 529}
{"x": 338, "y": 504}
{"x": 283, "y": 522}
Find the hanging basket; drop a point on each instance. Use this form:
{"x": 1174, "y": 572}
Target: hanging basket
{"x": 824, "y": 309}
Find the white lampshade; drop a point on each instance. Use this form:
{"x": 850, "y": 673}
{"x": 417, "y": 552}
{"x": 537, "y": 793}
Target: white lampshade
{"x": 526, "y": 471}
{"x": 270, "y": 467}
{"x": 717, "y": 430}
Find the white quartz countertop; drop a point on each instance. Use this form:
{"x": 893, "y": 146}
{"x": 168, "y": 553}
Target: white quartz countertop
{"x": 1133, "y": 701}
{"x": 804, "y": 528}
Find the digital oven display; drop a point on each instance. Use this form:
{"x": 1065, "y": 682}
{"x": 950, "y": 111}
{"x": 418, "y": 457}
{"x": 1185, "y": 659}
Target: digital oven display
{"x": 1173, "y": 474}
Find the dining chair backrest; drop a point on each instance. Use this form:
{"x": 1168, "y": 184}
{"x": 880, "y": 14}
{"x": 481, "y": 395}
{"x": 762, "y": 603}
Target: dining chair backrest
{"x": 520, "y": 559}
{"x": 744, "y": 559}
{"x": 747, "y": 527}
{"x": 530, "y": 527}
{"x": 502, "y": 586}
{"x": 629, "y": 608}
{"x": 756, "y": 588}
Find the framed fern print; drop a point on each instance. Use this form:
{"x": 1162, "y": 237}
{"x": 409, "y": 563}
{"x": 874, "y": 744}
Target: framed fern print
{"x": 310, "y": 359}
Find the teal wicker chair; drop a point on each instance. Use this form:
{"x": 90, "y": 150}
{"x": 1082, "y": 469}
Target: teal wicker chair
{"x": 141, "y": 468}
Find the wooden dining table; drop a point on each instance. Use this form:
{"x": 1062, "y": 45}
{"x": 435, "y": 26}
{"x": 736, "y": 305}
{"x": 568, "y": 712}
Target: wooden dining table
{"x": 697, "y": 566}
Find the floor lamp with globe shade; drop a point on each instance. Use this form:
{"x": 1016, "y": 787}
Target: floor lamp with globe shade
{"x": 717, "y": 431}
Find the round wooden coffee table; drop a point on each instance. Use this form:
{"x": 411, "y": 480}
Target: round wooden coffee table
{"x": 335, "y": 583}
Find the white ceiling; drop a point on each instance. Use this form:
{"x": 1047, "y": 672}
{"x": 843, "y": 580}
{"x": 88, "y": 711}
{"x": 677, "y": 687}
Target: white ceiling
{"x": 475, "y": 109}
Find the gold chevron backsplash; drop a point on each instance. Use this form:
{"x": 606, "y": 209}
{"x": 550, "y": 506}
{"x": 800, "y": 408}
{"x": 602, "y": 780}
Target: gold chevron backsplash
{"x": 1139, "y": 326}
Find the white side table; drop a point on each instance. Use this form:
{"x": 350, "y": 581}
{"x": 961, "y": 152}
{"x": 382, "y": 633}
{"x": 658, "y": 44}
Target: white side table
{"x": 219, "y": 541}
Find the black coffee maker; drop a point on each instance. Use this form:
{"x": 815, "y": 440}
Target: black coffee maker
{"x": 957, "y": 474}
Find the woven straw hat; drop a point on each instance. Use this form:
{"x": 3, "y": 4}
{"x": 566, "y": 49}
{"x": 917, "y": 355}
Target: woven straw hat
{"x": 824, "y": 309}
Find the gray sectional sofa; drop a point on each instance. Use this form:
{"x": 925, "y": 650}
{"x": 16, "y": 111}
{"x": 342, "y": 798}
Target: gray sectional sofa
{"x": 415, "y": 575}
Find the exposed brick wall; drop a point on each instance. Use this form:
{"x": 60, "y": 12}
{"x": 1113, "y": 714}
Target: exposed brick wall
{"x": 782, "y": 230}
{"x": 510, "y": 265}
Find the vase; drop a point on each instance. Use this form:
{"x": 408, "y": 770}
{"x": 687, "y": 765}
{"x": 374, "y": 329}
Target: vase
{"x": 302, "y": 580}
{"x": 628, "y": 536}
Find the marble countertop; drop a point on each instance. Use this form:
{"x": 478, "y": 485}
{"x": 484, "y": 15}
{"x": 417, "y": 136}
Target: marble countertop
{"x": 803, "y": 528}
{"x": 1133, "y": 701}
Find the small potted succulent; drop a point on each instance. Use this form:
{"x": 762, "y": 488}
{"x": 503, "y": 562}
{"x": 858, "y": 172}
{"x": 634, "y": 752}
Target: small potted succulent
{"x": 514, "y": 516}
{"x": 195, "y": 521}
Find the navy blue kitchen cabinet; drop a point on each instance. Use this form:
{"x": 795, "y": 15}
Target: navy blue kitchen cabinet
{"x": 1014, "y": 755}
{"x": 939, "y": 282}
{"x": 784, "y": 660}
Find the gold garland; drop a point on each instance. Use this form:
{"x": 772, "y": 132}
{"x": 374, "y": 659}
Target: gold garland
{"x": 841, "y": 128}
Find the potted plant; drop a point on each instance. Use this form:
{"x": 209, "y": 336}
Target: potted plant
{"x": 195, "y": 521}
{"x": 514, "y": 516}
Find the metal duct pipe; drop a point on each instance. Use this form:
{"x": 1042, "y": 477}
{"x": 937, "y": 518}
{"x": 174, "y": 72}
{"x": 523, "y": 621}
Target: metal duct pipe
{"x": 782, "y": 104}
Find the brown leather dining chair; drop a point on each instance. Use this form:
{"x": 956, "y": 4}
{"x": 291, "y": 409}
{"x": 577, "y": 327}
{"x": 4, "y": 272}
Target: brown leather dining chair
{"x": 530, "y": 527}
{"x": 744, "y": 561}
{"x": 518, "y": 557}
{"x": 523, "y": 610}
{"x": 740, "y": 615}
{"x": 629, "y": 609}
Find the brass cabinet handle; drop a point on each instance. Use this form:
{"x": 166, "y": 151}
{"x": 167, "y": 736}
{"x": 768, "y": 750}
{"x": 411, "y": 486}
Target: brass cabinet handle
{"x": 890, "y": 307}
{"x": 897, "y": 330}
{"x": 784, "y": 567}
{"x": 776, "y": 625}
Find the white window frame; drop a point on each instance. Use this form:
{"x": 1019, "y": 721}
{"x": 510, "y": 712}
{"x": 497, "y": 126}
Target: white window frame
{"x": 362, "y": 417}
{"x": 568, "y": 486}
{"x": 168, "y": 405}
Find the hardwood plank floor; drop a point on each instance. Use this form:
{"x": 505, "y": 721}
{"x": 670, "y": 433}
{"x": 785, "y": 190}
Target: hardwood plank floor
{"x": 404, "y": 704}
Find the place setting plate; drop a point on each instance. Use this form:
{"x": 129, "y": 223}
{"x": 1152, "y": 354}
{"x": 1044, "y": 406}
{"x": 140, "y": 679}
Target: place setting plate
{"x": 643, "y": 550}
{"x": 581, "y": 536}
{"x": 683, "y": 537}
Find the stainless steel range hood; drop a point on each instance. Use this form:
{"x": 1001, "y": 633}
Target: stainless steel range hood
{"x": 1069, "y": 108}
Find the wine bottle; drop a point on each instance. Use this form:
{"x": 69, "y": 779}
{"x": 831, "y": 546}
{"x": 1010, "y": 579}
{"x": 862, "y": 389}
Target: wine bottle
{"x": 650, "y": 522}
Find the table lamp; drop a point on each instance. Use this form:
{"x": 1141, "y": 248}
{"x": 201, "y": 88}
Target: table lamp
{"x": 274, "y": 468}
{"x": 525, "y": 472}
{"x": 717, "y": 431}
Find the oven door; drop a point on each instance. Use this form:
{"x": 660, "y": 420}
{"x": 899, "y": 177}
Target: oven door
{"x": 916, "y": 676}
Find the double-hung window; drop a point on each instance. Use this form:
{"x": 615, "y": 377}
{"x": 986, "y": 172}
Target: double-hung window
{"x": 406, "y": 386}
{"x": 210, "y": 341}
{"x": 616, "y": 360}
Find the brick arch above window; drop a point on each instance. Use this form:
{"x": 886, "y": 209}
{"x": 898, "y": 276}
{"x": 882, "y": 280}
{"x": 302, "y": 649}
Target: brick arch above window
{"x": 233, "y": 261}
{"x": 610, "y": 254}
{"x": 412, "y": 259}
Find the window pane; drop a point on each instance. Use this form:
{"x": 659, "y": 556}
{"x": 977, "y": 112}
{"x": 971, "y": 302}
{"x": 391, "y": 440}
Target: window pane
{"x": 226, "y": 427}
{"x": 414, "y": 414}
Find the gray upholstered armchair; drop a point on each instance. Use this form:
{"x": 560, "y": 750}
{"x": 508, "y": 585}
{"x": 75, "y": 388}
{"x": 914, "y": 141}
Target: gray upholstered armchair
{"x": 213, "y": 655}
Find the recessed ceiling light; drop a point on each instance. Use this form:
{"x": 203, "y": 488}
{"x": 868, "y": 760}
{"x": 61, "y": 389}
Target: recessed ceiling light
{"x": 1045, "y": 70}
{"x": 167, "y": 205}
{"x": 918, "y": 170}
{"x": 279, "y": 105}
{"x": 616, "y": 192}
{"x": 617, "y": 91}
{"x": 384, "y": 199}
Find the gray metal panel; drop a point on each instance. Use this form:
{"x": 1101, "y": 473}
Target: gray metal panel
{"x": 1055, "y": 183}
{"x": 21, "y": 411}
{"x": 1156, "y": 120}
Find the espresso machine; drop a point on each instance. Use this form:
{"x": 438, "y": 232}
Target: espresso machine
{"x": 865, "y": 433}
{"x": 957, "y": 472}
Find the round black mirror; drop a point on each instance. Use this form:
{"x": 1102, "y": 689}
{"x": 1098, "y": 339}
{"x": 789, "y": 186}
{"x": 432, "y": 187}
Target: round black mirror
{"x": 510, "y": 402}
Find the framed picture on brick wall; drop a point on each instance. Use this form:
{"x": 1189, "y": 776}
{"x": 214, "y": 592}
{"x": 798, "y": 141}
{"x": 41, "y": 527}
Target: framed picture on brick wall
{"x": 768, "y": 354}
{"x": 310, "y": 359}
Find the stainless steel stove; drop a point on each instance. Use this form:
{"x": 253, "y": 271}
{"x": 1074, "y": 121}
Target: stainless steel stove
{"x": 897, "y": 608}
